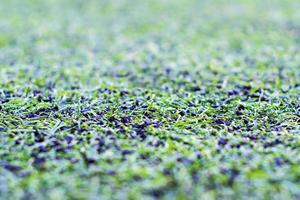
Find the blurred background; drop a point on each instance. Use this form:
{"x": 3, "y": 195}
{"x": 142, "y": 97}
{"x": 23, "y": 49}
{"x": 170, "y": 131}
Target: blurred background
{"x": 136, "y": 43}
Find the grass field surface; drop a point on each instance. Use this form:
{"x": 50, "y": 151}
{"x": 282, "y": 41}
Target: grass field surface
{"x": 150, "y": 99}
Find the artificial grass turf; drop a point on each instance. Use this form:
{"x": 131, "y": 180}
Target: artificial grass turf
{"x": 149, "y": 99}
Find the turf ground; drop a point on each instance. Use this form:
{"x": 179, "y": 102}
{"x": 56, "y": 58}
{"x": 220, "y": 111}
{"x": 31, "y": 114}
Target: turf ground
{"x": 133, "y": 99}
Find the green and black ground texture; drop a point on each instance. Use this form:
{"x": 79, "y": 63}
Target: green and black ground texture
{"x": 156, "y": 99}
